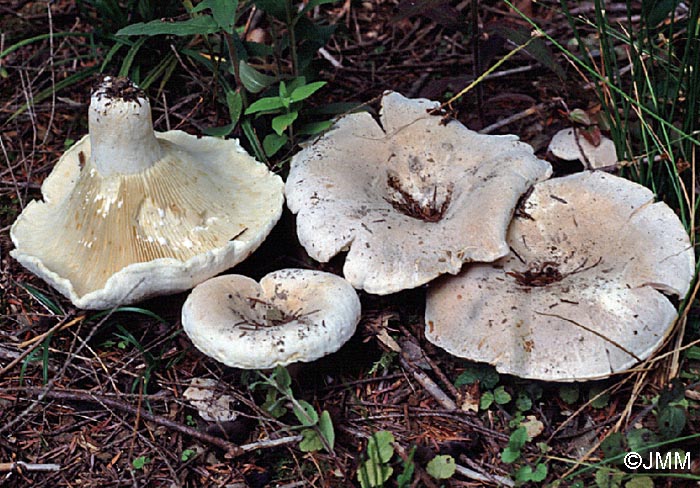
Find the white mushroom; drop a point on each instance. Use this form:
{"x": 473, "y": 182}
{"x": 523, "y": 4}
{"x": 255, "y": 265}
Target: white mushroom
{"x": 292, "y": 315}
{"x": 412, "y": 199}
{"x": 571, "y": 145}
{"x": 580, "y": 295}
{"x": 129, "y": 213}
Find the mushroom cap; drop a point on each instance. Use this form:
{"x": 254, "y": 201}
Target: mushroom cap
{"x": 580, "y": 295}
{"x": 292, "y": 315}
{"x": 112, "y": 237}
{"x": 564, "y": 146}
{"x": 411, "y": 199}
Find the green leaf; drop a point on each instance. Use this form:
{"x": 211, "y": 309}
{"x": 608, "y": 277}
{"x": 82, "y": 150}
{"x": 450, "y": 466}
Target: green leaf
{"x": 486, "y": 400}
{"x": 282, "y": 379}
{"x": 379, "y": 446}
{"x": 234, "y": 100}
{"x": 403, "y": 480}
{"x": 441, "y": 467}
{"x": 273, "y": 143}
{"x": 276, "y": 8}
{"x": 187, "y": 454}
{"x": 373, "y": 475}
{"x": 221, "y": 131}
{"x": 305, "y": 413}
{"x": 140, "y": 462}
{"x": 253, "y": 80}
{"x": 639, "y": 439}
{"x": 510, "y": 455}
{"x": 613, "y": 445}
{"x": 523, "y": 402}
{"x": 526, "y": 474}
{"x": 281, "y": 122}
{"x": 43, "y": 299}
{"x": 304, "y": 92}
{"x": 315, "y": 128}
{"x": 501, "y": 396}
{"x": 267, "y": 104}
{"x": 201, "y": 25}
{"x": 325, "y": 425}
{"x": 693, "y": 353}
{"x": 310, "y": 442}
{"x": 484, "y": 374}
{"x": 223, "y": 11}
{"x": 130, "y": 55}
{"x": 671, "y": 420}
{"x": 518, "y": 438}
{"x": 608, "y": 478}
{"x": 640, "y": 482}
{"x": 569, "y": 393}
{"x": 602, "y": 400}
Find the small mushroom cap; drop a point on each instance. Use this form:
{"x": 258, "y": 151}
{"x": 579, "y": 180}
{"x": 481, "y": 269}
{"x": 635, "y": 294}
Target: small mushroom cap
{"x": 564, "y": 146}
{"x": 580, "y": 295}
{"x": 112, "y": 231}
{"x": 412, "y": 199}
{"x": 293, "y": 315}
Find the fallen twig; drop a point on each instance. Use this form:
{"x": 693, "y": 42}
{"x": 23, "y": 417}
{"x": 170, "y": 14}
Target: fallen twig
{"x": 232, "y": 450}
{"x": 22, "y": 466}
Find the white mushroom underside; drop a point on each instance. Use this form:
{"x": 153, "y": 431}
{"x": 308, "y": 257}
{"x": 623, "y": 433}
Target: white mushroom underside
{"x": 244, "y": 324}
{"x": 124, "y": 237}
{"x": 340, "y": 188}
{"x": 613, "y": 248}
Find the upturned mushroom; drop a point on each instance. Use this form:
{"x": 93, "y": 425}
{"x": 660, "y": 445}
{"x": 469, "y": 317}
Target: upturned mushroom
{"x": 571, "y": 145}
{"x": 130, "y": 213}
{"x": 409, "y": 200}
{"x": 292, "y": 315}
{"x": 582, "y": 293}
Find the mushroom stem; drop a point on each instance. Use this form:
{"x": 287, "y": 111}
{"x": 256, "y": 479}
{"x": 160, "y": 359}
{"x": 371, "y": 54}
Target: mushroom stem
{"x": 121, "y": 131}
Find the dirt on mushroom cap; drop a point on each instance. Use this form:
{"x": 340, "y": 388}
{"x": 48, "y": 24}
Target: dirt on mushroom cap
{"x": 579, "y": 296}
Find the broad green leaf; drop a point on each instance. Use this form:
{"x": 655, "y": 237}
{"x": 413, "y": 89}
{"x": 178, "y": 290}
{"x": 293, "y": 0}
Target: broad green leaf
{"x": 379, "y": 446}
{"x": 639, "y": 439}
{"x": 234, "y": 100}
{"x": 403, "y": 480}
{"x": 569, "y": 393}
{"x": 602, "y": 400}
{"x": 315, "y": 128}
{"x": 613, "y": 445}
{"x": 325, "y": 425}
{"x": 140, "y": 462}
{"x": 273, "y": 143}
{"x": 671, "y": 420}
{"x": 276, "y": 8}
{"x": 223, "y": 11}
{"x": 202, "y": 25}
{"x": 486, "y": 400}
{"x": 525, "y": 474}
{"x": 501, "y": 396}
{"x": 518, "y": 438}
{"x": 310, "y": 441}
{"x": 523, "y": 402}
{"x": 221, "y": 131}
{"x": 253, "y": 80}
{"x": 640, "y": 482}
{"x": 305, "y": 413}
{"x": 486, "y": 375}
{"x": 267, "y": 104}
{"x": 373, "y": 475}
{"x": 304, "y": 92}
{"x": 510, "y": 455}
{"x": 281, "y": 122}
{"x": 441, "y": 467}
{"x": 283, "y": 380}
{"x": 608, "y": 478}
